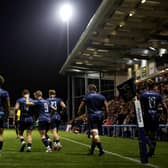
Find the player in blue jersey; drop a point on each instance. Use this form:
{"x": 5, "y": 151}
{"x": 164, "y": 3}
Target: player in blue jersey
{"x": 25, "y": 120}
{"x": 4, "y": 109}
{"x": 44, "y": 118}
{"x": 95, "y": 103}
{"x": 57, "y": 106}
{"x": 150, "y": 101}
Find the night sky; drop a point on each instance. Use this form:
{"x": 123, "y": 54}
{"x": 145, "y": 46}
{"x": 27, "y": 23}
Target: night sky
{"x": 33, "y": 43}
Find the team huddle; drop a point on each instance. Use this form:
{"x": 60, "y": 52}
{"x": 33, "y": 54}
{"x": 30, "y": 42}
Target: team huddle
{"x": 45, "y": 112}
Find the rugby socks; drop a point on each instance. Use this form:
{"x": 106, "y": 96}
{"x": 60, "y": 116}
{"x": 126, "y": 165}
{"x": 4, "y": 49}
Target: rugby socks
{"x": 45, "y": 142}
{"x": 29, "y": 146}
{"x": 152, "y": 144}
{"x": 57, "y": 145}
{"x": 22, "y": 140}
{"x": 152, "y": 149}
{"x": 99, "y": 145}
{"x": 57, "y": 141}
{"x": 93, "y": 145}
{"x": 49, "y": 140}
{"x": 1, "y": 144}
{"x": 47, "y": 137}
{"x": 23, "y": 144}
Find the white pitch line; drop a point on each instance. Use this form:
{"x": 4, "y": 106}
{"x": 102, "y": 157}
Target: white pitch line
{"x": 112, "y": 153}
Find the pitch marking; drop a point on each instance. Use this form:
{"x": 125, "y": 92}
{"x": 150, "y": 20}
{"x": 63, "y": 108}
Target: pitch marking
{"x": 112, "y": 153}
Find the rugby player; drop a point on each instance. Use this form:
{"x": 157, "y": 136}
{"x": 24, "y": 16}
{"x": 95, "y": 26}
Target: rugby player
{"x": 25, "y": 120}
{"x": 95, "y": 103}
{"x": 57, "y": 105}
{"x": 43, "y": 108}
{"x": 4, "y": 109}
{"x": 150, "y": 102}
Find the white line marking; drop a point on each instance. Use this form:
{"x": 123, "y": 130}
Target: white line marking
{"x": 112, "y": 153}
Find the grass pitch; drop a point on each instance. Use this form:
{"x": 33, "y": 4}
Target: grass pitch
{"x": 120, "y": 153}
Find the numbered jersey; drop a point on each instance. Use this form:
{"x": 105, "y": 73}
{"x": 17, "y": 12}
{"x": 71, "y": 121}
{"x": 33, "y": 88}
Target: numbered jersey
{"x": 55, "y": 103}
{"x": 150, "y": 101}
{"x": 43, "y": 108}
{"x": 25, "y": 111}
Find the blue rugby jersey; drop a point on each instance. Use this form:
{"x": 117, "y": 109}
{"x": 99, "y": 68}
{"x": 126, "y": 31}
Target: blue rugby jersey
{"x": 3, "y": 96}
{"x": 150, "y": 101}
{"x": 95, "y": 102}
{"x": 43, "y": 109}
{"x": 25, "y": 109}
{"x": 55, "y": 102}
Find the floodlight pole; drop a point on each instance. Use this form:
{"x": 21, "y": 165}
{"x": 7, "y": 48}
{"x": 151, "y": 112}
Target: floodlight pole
{"x": 67, "y": 29}
{"x": 65, "y": 14}
{"x": 68, "y": 78}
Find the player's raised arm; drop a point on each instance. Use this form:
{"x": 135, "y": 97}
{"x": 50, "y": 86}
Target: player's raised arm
{"x": 82, "y": 104}
{"x": 62, "y": 104}
{"x": 17, "y": 105}
{"x": 106, "y": 107}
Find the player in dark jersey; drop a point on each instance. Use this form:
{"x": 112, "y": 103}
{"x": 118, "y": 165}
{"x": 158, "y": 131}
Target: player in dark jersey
{"x": 44, "y": 120}
{"x": 150, "y": 102}
{"x": 25, "y": 122}
{"x": 95, "y": 103}
{"x": 57, "y": 105}
{"x": 4, "y": 109}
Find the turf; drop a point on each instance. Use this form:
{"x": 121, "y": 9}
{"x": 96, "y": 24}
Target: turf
{"x": 119, "y": 153}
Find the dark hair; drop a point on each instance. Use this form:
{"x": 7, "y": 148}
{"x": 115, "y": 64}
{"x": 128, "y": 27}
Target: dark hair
{"x": 150, "y": 83}
{"x": 52, "y": 92}
{"x": 2, "y": 80}
{"x": 25, "y": 91}
{"x": 38, "y": 93}
{"x": 92, "y": 87}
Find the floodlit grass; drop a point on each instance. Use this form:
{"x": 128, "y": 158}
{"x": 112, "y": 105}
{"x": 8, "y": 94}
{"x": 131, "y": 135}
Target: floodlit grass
{"x": 74, "y": 155}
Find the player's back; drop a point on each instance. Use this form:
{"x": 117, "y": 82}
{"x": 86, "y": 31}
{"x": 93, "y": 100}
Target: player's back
{"x": 95, "y": 102}
{"x": 24, "y": 109}
{"x": 55, "y": 102}
{"x": 43, "y": 108}
{"x": 3, "y": 96}
{"x": 150, "y": 101}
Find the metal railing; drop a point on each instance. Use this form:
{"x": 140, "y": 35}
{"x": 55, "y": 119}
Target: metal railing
{"x": 120, "y": 130}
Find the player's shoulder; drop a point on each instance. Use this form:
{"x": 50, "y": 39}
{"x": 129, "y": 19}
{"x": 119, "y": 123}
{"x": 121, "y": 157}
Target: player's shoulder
{"x": 42, "y": 100}
{"x": 20, "y": 100}
{"x": 95, "y": 95}
{"x": 145, "y": 93}
{"x": 51, "y": 99}
{"x": 154, "y": 93}
{"x": 45, "y": 100}
{"x": 4, "y": 92}
{"x": 100, "y": 95}
{"x": 142, "y": 94}
{"x": 31, "y": 99}
{"x": 58, "y": 99}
